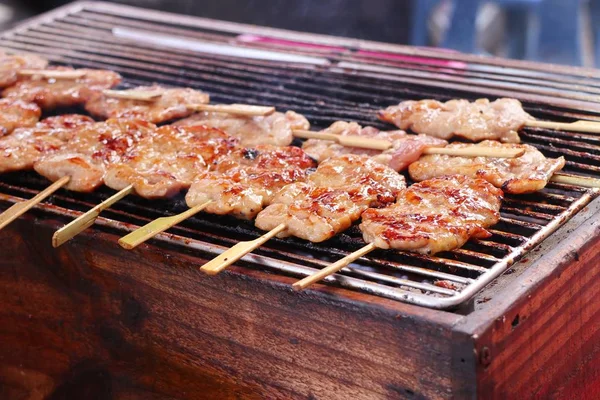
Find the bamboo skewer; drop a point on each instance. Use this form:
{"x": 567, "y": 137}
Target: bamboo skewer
{"x": 238, "y": 251}
{"x": 381, "y": 144}
{"x": 86, "y": 220}
{"x": 50, "y": 73}
{"x": 18, "y": 209}
{"x": 574, "y": 180}
{"x": 157, "y": 226}
{"x": 133, "y": 94}
{"x": 476, "y": 151}
{"x": 237, "y": 109}
{"x": 333, "y": 268}
{"x": 577, "y": 126}
{"x": 348, "y": 141}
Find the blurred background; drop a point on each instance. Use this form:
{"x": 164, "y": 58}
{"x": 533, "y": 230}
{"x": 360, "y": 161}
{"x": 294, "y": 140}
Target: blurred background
{"x": 555, "y": 31}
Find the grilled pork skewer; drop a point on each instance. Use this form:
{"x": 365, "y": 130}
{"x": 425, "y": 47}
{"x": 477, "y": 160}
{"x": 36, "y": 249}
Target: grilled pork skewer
{"x": 15, "y": 113}
{"x": 275, "y": 129}
{"x": 162, "y": 164}
{"x": 526, "y": 174}
{"x": 435, "y": 215}
{"x": 60, "y": 86}
{"x": 87, "y": 155}
{"x": 480, "y": 120}
{"x": 328, "y": 202}
{"x": 396, "y": 149}
{"x": 241, "y": 184}
{"x": 11, "y": 64}
{"x": 475, "y": 121}
{"x": 511, "y": 161}
{"x": 244, "y": 183}
{"x": 154, "y": 104}
{"x": 166, "y": 162}
{"x": 21, "y": 149}
{"x": 158, "y": 104}
{"x": 403, "y": 150}
{"x": 158, "y": 166}
{"x": 80, "y": 163}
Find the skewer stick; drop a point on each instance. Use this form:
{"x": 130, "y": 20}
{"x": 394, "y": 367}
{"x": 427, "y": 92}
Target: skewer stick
{"x": 237, "y": 109}
{"x": 333, "y": 268}
{"x": 238, "y": 251}
{"x": 381, "y": 144}
{"x": 50, "y": 73}
{"x": 133, "y": 94}
{"x": 86, "y": 220}
{"x": 157, "y": 226}
{"x": 22, "y": 207}
{"x": 348, "y": 141}
{"x": 476, "y": 151}
{"x": 574, "y": 180}
{"x": 577, "y": 126}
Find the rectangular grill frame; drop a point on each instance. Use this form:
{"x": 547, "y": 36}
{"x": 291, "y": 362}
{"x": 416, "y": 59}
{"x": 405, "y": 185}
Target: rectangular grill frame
{"x": 340, "y": 63}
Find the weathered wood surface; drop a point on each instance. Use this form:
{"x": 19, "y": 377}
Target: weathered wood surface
{"x": 91, "y": 319}
{"x": 539, "y": 340}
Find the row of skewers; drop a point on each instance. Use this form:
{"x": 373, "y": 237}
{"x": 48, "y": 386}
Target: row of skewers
{"x": 238, "y": 160}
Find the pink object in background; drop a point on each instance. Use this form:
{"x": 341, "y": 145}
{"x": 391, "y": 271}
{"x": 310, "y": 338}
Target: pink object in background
{"x": 248, "y": 38}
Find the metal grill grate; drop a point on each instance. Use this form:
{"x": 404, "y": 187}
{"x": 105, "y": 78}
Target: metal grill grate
{"x": 326, "y": 79}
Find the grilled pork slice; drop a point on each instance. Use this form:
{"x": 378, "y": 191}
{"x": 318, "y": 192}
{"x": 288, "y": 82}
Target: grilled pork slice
{"x": 275, "y": 129}
{"x": 406, "y": 148}
{"x": 436, "y": 215}
{"x": 10, "y": 64}
{"x": 15, "y": 113}
{"x": 332, "y": 198}
{"x": 528, "y": 173}
{"x": 243, "y": 183}
{"x": 50, "y": 93}
{"x": 476, "y": 121}
{"x": 166, "y": 162}
{"x": 21, "y": 149}
{"x": 91, "y": 150}
{"x": 170, "y": 105}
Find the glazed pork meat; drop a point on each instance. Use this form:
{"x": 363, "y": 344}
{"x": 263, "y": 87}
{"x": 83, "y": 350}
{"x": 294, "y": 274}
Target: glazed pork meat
{"x": 406, "y": 148}
{"x": 91, "y": 149}
{"x": 22, "y": 148}
{"x": 436, "y": 215}
{"x": 11, "y": 64}
{"x": 525, "y": 174}
{"x": 332, "y": 198}
{"x": 170, "y": 105}
{"x": 166, "y": 162}
{"x": 275, "y": 129}
{"x": 15, "y": 113}
{"x": 50, "y": 93}
{"x": 475, "y": 121}
{"x": 244, "y": 182}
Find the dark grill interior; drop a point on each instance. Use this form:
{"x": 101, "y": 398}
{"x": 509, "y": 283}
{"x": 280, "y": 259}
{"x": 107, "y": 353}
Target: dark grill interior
{"x": 346, "y": 82}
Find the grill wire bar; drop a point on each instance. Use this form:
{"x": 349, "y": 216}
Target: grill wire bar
{"x": 356, "y": 79}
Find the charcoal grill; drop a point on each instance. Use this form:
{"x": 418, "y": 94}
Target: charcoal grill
{"x": 326, "y": 79}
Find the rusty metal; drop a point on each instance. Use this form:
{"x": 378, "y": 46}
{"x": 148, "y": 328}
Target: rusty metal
{"x": 340, "y": 79}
